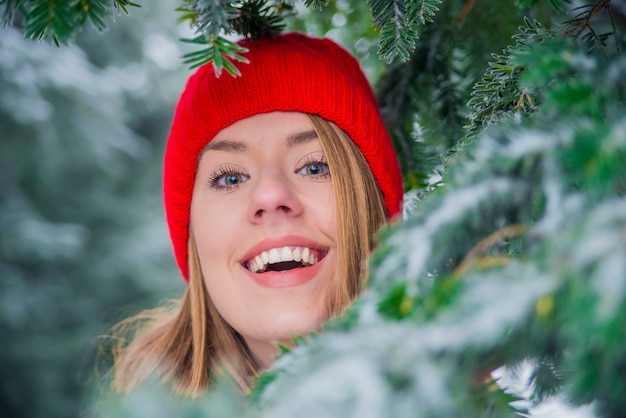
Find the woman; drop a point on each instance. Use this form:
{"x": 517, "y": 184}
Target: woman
{"x": 275, "y": 183}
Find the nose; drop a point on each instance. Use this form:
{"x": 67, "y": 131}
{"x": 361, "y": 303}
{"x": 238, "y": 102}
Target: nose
{"x": 273, "y": 197}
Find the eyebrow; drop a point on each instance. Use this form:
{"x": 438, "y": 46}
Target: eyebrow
{"x": 301, "y": 138}
{"x": 232, "y": 146}
{"x": 236, "y": 146}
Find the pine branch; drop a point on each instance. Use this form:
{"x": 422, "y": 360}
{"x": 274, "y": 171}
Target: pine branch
{"x": 92, "y": 10}
{"x": 396, "y": 92}
{"x": 545, "y": 379}
{"x": 8, "y": 10}
{"x": 219, "y": 52}
{"x": 212, "y": 19}
{"x": 423, "y": 100}
{"x": 58, "y": 20}
{"x": 575, "y": 27}
{"x": 50, "y": 19}
{"x": 397, "y": 38}
{"x": 124, "y": 5}
{"x": 399, "y": 22}
{"x": 499, "y": 91}
{"x": 316, "y": 4}
{"x": 423, "y": 10}
{"x": 257, "y": 20}
{"x": 208, "y": 17}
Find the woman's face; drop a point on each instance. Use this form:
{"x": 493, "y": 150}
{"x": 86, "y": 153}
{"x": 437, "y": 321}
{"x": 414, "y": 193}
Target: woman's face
{"x": 263, "y": 217}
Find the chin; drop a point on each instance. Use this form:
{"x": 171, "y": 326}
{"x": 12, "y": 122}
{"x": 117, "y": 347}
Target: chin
{"x": 295, "y": 325}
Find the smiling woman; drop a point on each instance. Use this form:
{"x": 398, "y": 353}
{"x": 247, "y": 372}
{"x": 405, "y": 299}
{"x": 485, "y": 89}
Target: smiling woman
{"x": 278, "y": 195}
{"x": 275, "y": 184}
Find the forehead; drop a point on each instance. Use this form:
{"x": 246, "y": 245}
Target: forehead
{"x": 263, "y": 127}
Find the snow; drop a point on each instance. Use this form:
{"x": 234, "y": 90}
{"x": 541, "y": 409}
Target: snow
{"x": 352, "y": 375}
{"x": 527, "y": 143}
{"x": 517, "y": 381}
{"x": 451, "y": 209}
{"x": 487, "y": 309}
{"x": 602, "y": 251}
{"x": 348, "y": 387}
{"x": 558, "y": 408}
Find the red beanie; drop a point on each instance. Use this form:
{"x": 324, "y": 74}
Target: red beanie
{"x": 290, "y": 72}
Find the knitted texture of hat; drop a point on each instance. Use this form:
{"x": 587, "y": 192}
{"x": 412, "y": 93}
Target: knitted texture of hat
{"x": 290, "y": 72}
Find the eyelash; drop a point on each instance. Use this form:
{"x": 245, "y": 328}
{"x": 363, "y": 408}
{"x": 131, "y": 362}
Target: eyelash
{"x": 222, "y": 172}
{"x": 313, "y": 160}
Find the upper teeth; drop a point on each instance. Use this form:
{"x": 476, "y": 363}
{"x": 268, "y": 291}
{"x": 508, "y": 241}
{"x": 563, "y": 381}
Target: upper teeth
{"x": 277, "y": 255}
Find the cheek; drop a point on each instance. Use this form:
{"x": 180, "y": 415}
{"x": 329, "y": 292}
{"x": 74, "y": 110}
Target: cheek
{"x": 212, "y": 228}
{"x": 326, "y": 212}
{"x": 214, "y": 245}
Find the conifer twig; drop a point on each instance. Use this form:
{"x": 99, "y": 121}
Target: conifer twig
{"x": 466, "y": 9}
{"x": 524, "y": 97}
{"x": 476, "y": 253}
{"x": 614, "y": 27}
{"x": 583, "y": 23}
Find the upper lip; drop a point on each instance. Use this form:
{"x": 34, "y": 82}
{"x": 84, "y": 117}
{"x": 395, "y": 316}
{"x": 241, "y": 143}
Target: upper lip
{"x": 283, "y": 241}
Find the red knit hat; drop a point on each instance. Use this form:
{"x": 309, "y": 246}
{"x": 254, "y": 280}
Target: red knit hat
{"x": 290, "y": 72}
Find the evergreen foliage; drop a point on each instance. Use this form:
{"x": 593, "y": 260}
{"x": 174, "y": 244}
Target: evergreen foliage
{"x": 424, "y": 100}
{"x": 316, "y": 4}
{"x": 59, "y": 21}
{"x": 398, "y": 22}
{"x": 213, "y": 20}
{"x": 499, "y": 90}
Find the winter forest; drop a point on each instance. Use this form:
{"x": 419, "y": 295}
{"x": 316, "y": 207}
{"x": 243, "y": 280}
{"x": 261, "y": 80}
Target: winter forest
{"x": 502, "y": 293}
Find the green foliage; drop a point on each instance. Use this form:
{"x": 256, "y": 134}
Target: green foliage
{"x": 580, "y": 25}
{"x": 424, "y": 101}
{"x": 499, "y": 92}
{"x": 211, "y": 16}
{"x": 218, "y": 52}
{"x": 213, "y": 19}
{"x": 249, "y": 25}
{"x": 398, "y": 22}
{"x": 8, "y": 9}
{"x": 124, "y": 5}
{"x": 316, "y": 4}
{"x": 59, "y": 21}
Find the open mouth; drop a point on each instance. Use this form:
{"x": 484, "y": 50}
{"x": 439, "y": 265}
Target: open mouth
{"x": 284, "y": 258}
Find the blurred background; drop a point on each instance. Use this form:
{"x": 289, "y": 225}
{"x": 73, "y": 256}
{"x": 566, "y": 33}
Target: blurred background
{"x": 83, "y": 241}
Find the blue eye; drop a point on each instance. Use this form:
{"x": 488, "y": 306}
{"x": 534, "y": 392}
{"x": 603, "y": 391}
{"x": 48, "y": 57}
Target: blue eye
{"x": 227, "y": 178}
{"x": 318, "y": 169}
{"x": 230, "y": 180}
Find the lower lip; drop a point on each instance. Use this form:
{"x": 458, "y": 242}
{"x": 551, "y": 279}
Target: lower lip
{"x": 287, "y": 278}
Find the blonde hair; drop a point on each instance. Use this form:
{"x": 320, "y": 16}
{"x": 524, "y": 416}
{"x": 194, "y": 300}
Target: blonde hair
{"x": 188, "y": 344}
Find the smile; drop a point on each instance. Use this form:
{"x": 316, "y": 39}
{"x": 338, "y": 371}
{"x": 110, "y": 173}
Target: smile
{"x": 284, "y": 258}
